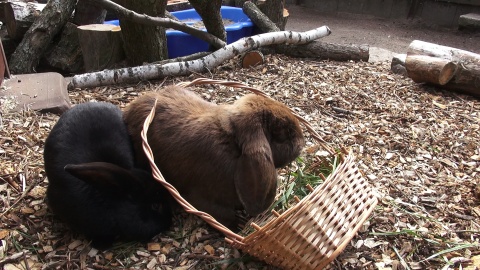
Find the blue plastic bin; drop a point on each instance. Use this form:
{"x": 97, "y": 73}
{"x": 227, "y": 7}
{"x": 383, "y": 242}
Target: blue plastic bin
{"x": 181, "y": 44}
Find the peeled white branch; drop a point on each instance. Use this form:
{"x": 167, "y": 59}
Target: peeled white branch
{"x": 156, "y": 71}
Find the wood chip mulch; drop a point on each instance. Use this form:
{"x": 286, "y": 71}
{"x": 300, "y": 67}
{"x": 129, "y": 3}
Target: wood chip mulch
{"x": 419, "y": 146}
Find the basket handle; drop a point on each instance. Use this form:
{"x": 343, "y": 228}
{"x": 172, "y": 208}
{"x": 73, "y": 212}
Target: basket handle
{"x": 173, "y": 191}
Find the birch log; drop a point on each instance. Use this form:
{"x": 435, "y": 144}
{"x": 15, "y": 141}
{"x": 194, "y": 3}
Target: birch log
{"x": 467, "y": 75}
{"x": 152, "y": 71}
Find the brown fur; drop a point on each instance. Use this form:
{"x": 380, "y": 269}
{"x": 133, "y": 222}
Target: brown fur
{"x": 219, "y": 157}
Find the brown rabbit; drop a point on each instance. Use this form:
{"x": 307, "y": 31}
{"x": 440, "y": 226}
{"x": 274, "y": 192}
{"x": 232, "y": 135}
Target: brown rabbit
{"x": 219, "y": 157}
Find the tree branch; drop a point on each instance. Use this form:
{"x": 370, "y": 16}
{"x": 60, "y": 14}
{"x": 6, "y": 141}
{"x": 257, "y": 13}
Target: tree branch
{"x": 127, "y": 14}
{"x": 152, "y": 71}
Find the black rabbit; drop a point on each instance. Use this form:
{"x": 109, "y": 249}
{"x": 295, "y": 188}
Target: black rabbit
{"x": 93, "y": 185}
{"x": 219, "y": 157}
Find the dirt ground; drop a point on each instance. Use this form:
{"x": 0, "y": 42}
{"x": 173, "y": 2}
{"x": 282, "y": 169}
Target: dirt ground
{"x": 392, "y": 35}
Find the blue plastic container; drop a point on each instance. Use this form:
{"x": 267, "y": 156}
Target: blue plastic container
{"x": 181, "y": 44}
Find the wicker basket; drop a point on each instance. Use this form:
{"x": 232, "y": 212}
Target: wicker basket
{"x": 310, "y": 234}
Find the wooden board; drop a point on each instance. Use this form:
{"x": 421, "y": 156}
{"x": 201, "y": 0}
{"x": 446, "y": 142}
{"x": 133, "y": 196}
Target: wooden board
{"x": 37, "y": 91}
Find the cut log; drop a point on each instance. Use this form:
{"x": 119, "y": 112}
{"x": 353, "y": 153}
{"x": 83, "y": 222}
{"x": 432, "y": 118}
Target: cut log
{"x": 429, "y": 69}
{"x": 35, "y": 42}
{"x": 66, "y": 54}
{"x": 252, "y": 58}
{"x": 102, "y": 46}
{"x": 19, "y": 16}
{"x": 325, "y": 50}
{"x": 467, "y": 75}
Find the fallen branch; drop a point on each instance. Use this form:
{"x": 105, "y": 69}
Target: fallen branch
{"x": 151, "y": 71}
{"x": 325, "y": 50}
{"x": 127, "y": 14}
{"x": 316, "y": 49}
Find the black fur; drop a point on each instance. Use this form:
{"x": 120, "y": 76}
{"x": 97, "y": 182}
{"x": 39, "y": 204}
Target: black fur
{"x": 93, "y": 185}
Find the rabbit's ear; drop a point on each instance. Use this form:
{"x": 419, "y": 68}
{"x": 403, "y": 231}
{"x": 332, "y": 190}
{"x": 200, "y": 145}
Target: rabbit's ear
{"x": 103, "y": 176}
{"x": 255, "y": 175}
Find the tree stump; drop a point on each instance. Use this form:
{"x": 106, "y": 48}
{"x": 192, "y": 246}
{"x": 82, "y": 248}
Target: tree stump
{"x": 144, "y": 43}
{"x": 19, "y": 16}
{"x": 102, "y": 46}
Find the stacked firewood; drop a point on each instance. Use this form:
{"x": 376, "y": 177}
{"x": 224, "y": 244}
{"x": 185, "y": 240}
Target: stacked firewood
{"x": 447, "y": 67}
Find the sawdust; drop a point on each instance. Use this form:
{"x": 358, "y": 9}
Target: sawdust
{"x": 417, "y": 145}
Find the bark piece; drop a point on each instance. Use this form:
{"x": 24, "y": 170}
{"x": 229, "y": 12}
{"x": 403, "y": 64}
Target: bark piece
{"x": 398, "y": 64}
{"x": 102, "y": 46}
{"x": 19, "y": 16}
{"x": 35, "y": 42}
{"x": 467, "y": 74}
{"x": 151, "y": 72}
{"x": 429, "y": 69}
